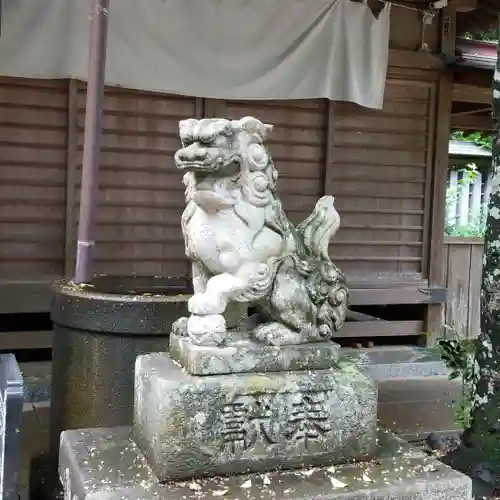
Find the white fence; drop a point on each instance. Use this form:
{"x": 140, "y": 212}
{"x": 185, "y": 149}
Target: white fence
{"x": 467, "y": 197}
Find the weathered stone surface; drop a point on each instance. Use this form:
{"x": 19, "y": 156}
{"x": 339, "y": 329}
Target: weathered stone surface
{"x": 105, "y": 464}
{"x": 241, "y": 354}
{"x": 242, "y": 246}
{"x": 190, "y": 426}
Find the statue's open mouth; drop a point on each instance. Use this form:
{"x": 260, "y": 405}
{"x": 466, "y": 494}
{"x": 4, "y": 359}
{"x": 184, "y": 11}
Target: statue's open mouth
{"x": 207, "y": 166}
{"x": 198, "y": 166}
{"x": 202, "y": 161}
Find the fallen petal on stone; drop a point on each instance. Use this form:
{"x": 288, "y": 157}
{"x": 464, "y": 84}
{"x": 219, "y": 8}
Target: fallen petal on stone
{"x": 336, "y": 483}
{"x": 219, "y": 493}
{"x": 308, "y": 472}
{"x": 366, "y": 479}
{"x": 194, "y": 486}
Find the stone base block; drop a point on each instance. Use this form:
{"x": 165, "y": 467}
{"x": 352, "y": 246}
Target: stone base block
{"x": 191, "y": 426}
{"x": 241, "y": 354}
{"x": 106, "y": 464}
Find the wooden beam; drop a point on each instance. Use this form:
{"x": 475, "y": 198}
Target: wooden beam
{"x": 34, "y": 296}
{"x": 389, "y": 296}
{"x": 471, "y": 93}
{"x": 357, "y": 316}
{"x": 463, "y": 240}
{"x": 464, "y": 5}
{"x": 475, "y": 111}
{"x": 25, "y": 296}
{"x": 448, "y": 30}
{"x": 471, "y": 122}
{"x": 427, "y": 234}
{"x": 413, "y": 59}
{"x": 362, "y": 329}
{"x": 14, "y": 341}
{"x": 434, "y": 267}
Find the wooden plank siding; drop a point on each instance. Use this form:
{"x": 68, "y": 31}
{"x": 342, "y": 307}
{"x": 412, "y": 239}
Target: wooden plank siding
{"x": 141, "y": 195}
{"x": 463, "y": 261}
{"x": 33, "y": 143}
{"x": 379, "y": 177}
{"x": 378, "y": 165}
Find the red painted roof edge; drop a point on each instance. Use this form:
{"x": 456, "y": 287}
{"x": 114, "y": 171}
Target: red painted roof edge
{"x": 476, "y": 53}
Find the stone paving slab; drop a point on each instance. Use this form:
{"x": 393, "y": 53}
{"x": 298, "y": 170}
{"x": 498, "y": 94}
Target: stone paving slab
{"x": 388, "y": 362}
{"x": 106, "y": 464}
{"x": 37, "y": 378}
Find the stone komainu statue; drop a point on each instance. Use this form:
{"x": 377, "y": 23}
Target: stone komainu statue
{"x": 242, "y": 246}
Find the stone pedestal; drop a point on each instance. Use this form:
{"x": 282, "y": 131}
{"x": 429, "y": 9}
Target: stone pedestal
{"x": 300, "y": 435}
{"x": 241, "y": 354}
{"x": 106, "y": 464}
{"x": 192, "y": 426}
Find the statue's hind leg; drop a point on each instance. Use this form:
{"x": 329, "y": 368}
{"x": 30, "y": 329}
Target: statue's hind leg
{"x": 292, "y": 329}
{"x": 294, "y": 314}
{"x": 277, "y": 334}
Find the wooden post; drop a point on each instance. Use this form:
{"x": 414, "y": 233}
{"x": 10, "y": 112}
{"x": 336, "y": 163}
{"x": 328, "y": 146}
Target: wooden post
{"x": 434, "y": 313}
{"x": 435, "y": 260}
{"x": 92, "y": 140}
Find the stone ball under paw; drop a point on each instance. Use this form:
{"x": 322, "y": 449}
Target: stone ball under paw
{"x": 206, "y": 330}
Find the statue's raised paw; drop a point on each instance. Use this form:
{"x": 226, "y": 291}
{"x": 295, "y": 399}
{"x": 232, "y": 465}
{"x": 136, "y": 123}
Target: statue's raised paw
{"x": 204, "y": 304}
{"x": 277, "y": 334}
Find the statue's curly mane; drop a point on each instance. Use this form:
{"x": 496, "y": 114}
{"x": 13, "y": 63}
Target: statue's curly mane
{"x": 258, "y": 174}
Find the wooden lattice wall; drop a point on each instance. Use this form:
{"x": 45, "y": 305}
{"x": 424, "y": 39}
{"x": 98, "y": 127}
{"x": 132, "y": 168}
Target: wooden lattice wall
{"x": 33, "y": 149}
{"x": 378, "y": 164}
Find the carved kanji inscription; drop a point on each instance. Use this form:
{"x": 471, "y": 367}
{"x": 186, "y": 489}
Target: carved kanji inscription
{"x": 309, "y": 417}
{"x": 271, "y": 418}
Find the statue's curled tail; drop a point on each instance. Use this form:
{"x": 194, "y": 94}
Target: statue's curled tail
{"x": 325, "y": 284}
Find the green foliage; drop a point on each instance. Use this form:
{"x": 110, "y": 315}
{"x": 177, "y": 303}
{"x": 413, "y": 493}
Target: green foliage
{"x": 477, "y": 221}
{"x": 478, "y": 138}
{"x": 489, "y": 35}
{"x": 458, "y": 353}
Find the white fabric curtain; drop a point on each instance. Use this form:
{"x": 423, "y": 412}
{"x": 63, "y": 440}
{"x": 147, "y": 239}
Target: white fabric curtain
{"x": 225, "y": 49}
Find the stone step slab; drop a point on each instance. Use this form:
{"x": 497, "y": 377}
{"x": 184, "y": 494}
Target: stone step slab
{"x": 388, "y": 362}
{"x": 106, "y": 464}
{"x": 415, "y": 407}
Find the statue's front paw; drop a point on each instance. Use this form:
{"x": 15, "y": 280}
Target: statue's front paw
{"x": 202, "y": 304}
